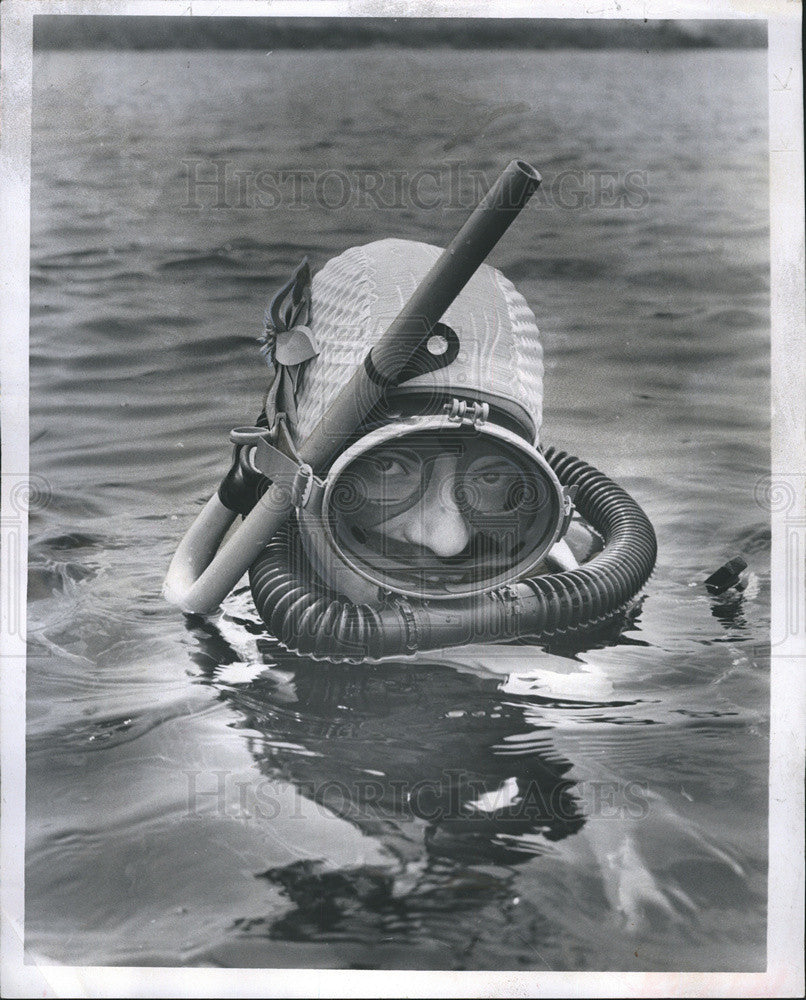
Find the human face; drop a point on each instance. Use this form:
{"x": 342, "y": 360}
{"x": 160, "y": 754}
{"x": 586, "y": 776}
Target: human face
{"x": 444, "y": 508}
{"x": 450, "y": 490}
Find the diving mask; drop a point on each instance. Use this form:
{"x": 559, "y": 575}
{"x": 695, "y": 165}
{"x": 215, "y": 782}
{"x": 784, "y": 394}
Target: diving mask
{"x": 428, "y": 508}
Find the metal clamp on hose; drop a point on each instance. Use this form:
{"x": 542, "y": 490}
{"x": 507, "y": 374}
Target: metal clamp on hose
{"x": 302, "y": 486}
{"x": 569, "y": 495}
{"x": 412, "y": 640}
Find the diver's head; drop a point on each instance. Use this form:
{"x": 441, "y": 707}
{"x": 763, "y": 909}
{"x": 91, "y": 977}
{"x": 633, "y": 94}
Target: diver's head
{"x": 356, "y": 296}
{"x": 442, "y": 491}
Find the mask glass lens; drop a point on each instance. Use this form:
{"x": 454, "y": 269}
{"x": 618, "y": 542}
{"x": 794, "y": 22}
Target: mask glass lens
{"x": 444, "y": 513}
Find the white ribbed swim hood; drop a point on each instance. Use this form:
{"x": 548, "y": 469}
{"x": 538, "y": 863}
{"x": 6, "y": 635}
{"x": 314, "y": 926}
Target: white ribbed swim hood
{"x": 355, "y": 297}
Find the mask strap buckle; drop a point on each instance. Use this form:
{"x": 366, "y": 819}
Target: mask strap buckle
{"x": 273, "y": 455}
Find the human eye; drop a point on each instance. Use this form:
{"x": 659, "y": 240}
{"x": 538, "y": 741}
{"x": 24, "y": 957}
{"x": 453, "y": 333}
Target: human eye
{"x": 388, "y": 466}
{"x": 489, "y": 473}
{"x": 387, "y": 474}
{"x": 393, "y": 465}
{"x": 490, "y": 478}
{"x": 486, "y": 483}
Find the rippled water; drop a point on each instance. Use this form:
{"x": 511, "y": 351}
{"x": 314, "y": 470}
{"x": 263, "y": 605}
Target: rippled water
{"x": 194, "y": 796}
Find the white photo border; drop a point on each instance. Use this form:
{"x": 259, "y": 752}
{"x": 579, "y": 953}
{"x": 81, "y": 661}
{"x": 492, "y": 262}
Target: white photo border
{"x": 785, "y": 969}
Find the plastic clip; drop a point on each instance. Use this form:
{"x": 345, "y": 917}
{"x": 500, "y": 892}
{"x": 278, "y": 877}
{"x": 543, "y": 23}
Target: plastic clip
{"x": 302, "y": 486}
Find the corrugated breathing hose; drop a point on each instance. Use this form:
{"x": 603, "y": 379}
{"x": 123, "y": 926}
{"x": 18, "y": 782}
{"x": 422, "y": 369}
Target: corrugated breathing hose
{"x": 310, "y": 620}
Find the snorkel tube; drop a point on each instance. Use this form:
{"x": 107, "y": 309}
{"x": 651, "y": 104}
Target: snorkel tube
{"x": 309, "y": 618}
{"x": 200, "y": 576}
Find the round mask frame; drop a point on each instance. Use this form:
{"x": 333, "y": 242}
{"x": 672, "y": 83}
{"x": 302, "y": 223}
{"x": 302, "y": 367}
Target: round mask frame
{"x": 322, "y": 544}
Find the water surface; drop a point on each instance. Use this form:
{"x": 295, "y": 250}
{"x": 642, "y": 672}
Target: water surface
{"x": 195, "y": 796}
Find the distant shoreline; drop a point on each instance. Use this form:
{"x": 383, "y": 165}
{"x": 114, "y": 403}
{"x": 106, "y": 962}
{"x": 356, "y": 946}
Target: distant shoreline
{"x": 53, "y": 31}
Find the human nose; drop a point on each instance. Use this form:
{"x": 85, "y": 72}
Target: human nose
{"x": 437, "y": 522}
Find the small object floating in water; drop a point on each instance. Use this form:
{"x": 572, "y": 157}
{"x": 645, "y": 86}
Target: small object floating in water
{"x": 727, "y": 576}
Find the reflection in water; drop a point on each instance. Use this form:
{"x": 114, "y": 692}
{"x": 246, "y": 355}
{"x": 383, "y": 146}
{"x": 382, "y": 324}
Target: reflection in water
{"x": 729, "y": 607}
{"x": 428, "y": 761}
{"x": 729, "y": 610}
{"x": 655, "y": 324}
{"x": 473, "y": 785}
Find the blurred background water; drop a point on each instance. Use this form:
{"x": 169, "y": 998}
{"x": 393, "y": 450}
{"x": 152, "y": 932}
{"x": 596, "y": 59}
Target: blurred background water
{"x": 195, "y": 796}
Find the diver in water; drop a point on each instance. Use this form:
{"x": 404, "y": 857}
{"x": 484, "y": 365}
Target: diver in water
{"x": 397, "y": 500}
{"x": 428, "y": 517}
